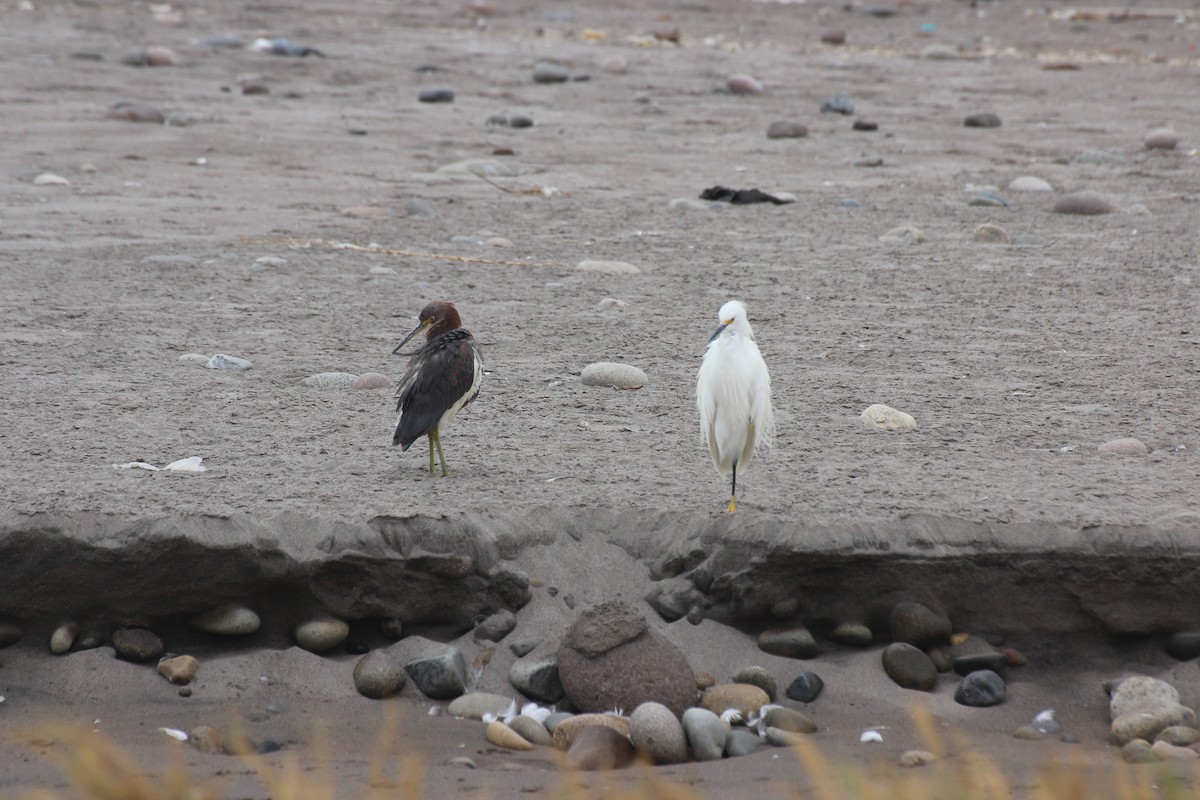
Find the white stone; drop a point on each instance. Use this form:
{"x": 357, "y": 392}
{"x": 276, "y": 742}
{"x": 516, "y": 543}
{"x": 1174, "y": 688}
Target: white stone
{"x": 1028, "y": 183}
{"x": 608, "y": 373}
{"x": 330, "y": 380}
{"x": 222, "y": 361}
{"x": 881, "y": 417}
{"x": 50, "y": 179}
{"x": 609, "y": 267}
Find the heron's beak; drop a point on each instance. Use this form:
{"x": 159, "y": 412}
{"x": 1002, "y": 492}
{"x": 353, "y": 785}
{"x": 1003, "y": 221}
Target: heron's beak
{"x": 422, "y": 325}
{"x": 717, "y": 332}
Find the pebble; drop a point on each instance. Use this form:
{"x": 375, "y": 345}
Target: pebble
{"x": 233, "y": 363}
{"x": 1125, "y": 447}
{"x": 1028, "y": 183}
{"x": 330, "y": 380}
{"x": 870, "y": 161}
{"x": 705, "y": 734}
{"x": 475, "y": 704}
{"x": 531, "y": 730}
{"x": 745, "y": 698}
{"x": 1085, "y": 203}
{"x": 980, "y": 689}
{"x": 797, "y": 642}
{"x": 391, "y": 627}
{"x": 1141, "y": 707}
{"x": 1184, "y": 646}
{"x": 137, "y": 644}
{"x": 608, "y": 267}
{"x": 788, "y": 719}
{"x": 50, "y": 179}
{"x": 848, "y": 203}
{"x": 777, "y": 737}
{"x": 599, "y": 748}
{"x": 442, "y": 676}
{"x": 523, "y": 647}
{"x": 617, "y": 65}
{"x": 1161, "y": 139}
{"x": 436, "y": 96}
{"x": 883, "y": 417}
{"x": 501, "y": 735}
{"x": 365, "y": 212}
{"x": 151, "y": 56}
{"x": 940, "y": 51}
{"x": 904, "y": 234}
{"x": 566, "y": 731}
{"x": 1028, "y": 733}
{"x": 418, "y": 208}
{"x": 987, "y": 199}
{"x": 1179, "y": 735}
{"x": 132, "y": 111}
{"x": 918, "y": 625}
{"x": 226, "y": 40}
{"x": 740, "y": 83}
{"x": 741, "y": 742}
{"x": 852, "y": 634}
{"x": 805, "y": 687}
{"x": 1137, "y": 751}
{"x": 987, "y": 233}
{"x": 206, "y": 739}
{"x": 909, "y": 667}
{"x": 608, "y": 373}
{"x": 1165, "y": 751}
{"x": 834, "y": 36}
{"x": 996, "y": 662}
{"x": 321, "y": 635}
{"x": 984, "y": 119}
{"x": 537, "y": 679}
{"x": 372, "y": 380}
{"x": 865, "y": 125}
{"x": 550, "y": 72}
{"x": 785, "y": 129}
{"x": 180, "y": 669}
{"x": 253, "y": 84}
{"x": 63, "y": 638}
{"x": 757, "y": 676}
{"x": 915, "y": 758}
{"x": 838, "y": 104}
{"x": 495, "y": 627}
{"x": 656, "y": 733}
{"x": 520, "y": 121}
{"x": 379, "y": 674}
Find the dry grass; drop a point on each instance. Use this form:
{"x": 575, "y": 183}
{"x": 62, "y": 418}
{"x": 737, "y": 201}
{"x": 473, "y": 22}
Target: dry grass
{"x": 97, "y": 769}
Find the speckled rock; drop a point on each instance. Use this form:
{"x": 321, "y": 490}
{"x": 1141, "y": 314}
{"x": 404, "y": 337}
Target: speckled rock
{"x": 757, "y": 676}
{"x": 885, "y": 418}
{"x": 903, "y": 234}
{"x": 607, "y": 373}
{"x": 228, "y": 620}
{"x": 330, "y": 380}
{"x": 1084, "y": 203}
{"x": 987, "y": 233}
{"x": 372, "y": 380}
{"x": 1124, "y": 447}
{"x": 1161, "y": 139}
{"x": 599, "y": 748}
{"x": 379, "y": 674}
{"x": 537, "y": 679}
{"x": 137, "y": 644}
{"x": 908, "y": 667}
{"x": 321, "y": 635}
{"x": 657, "y": 733}
{"x": 745, "y": 698}
{"x": 608, "y": 267}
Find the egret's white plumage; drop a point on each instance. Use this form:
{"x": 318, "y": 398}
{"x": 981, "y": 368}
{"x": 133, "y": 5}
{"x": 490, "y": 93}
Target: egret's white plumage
{"x": 733, "y": 393}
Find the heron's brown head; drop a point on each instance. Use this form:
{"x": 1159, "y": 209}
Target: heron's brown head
{"x": 435, "y": 319}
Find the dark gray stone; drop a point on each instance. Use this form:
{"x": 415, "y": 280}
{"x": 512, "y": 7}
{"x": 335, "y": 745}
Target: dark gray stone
{"x": 795, "y": 642}
{"x": 909, "y": 667}
{"x": 916, "y": 624}
{"x": 537, "y": 679}
{"x": 440, "y": 677}
{"x": 980, "y": 689}
{"x": 495, "y": 627}
{"x": 805, "y": 687}
{"x": 741, "y": 742}
{"x": 996, "y": 662}
{"x": 137, "y": 644}
{"x": 982, "y": 120}
{"x": 757, "y": 676}
{"x": 1184, "y": 646}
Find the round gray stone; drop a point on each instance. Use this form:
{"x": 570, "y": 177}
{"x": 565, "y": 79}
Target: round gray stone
{"x": 657, "y": 733}
{"x": 980, "y": 689}
{"x": 908, "y": 667}
{"x": 379, "y": 674}
{"x": 619, "y": 376}
{"x": 227, "y": 620}
{"x": 705, "y": 734}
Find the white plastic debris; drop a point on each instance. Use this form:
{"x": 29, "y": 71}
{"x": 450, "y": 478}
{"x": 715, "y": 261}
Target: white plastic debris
{"x": 189, "y": 464}
{"x": 175, "y": 734}
{"x": 870, "y": 736}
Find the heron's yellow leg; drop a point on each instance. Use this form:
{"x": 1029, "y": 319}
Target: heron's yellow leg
{"x": 437, "y": 442}
{"x": 432, "y": 436}
{"x": 732, "y": 505}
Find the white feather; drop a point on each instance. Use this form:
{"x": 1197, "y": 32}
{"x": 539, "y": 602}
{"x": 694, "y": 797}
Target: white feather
{"x": 536, "y": 712}
{"x": 731, "y": 716}
{"x": 871, "y": 736}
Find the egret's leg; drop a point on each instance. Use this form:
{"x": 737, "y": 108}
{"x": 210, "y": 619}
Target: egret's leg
{"x": 437, "y": 441}
{"x": 733, "y": 494}
{"x": 432, "y": 437}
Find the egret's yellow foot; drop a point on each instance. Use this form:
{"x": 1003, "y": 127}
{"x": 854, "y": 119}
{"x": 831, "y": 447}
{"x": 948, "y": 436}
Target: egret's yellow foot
{"x": 732, "y": 505}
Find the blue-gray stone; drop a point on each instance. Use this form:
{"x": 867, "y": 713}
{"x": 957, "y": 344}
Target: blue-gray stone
{"x": 440, "y": 677}
{"x": 805, "y": 687}
{"x": 741, "y": 743}
{"x": 981, "y": 688}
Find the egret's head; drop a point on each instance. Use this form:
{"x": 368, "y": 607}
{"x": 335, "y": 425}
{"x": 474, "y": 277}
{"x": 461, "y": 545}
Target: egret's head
{"x": 733, "y": 316}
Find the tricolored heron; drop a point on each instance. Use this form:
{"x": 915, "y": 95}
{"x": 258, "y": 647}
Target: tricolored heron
{"x": 443, "y": 376}
{"x": 733, "y": 394}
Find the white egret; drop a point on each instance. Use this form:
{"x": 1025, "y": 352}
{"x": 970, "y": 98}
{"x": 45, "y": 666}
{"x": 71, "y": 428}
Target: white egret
{"x": 443, "y": 376}
{"x": 733, "y": 394}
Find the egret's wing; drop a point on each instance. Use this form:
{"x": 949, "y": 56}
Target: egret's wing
{"x": 762, "y": 412}
{"x": 706, "y": 396}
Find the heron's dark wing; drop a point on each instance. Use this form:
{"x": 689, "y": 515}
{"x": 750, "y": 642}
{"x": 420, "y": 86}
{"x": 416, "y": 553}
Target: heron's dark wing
{"x": 440, "y": 374}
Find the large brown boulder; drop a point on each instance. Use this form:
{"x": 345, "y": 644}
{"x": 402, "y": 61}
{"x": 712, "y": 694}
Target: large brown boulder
{"x": 611, "y": 659}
